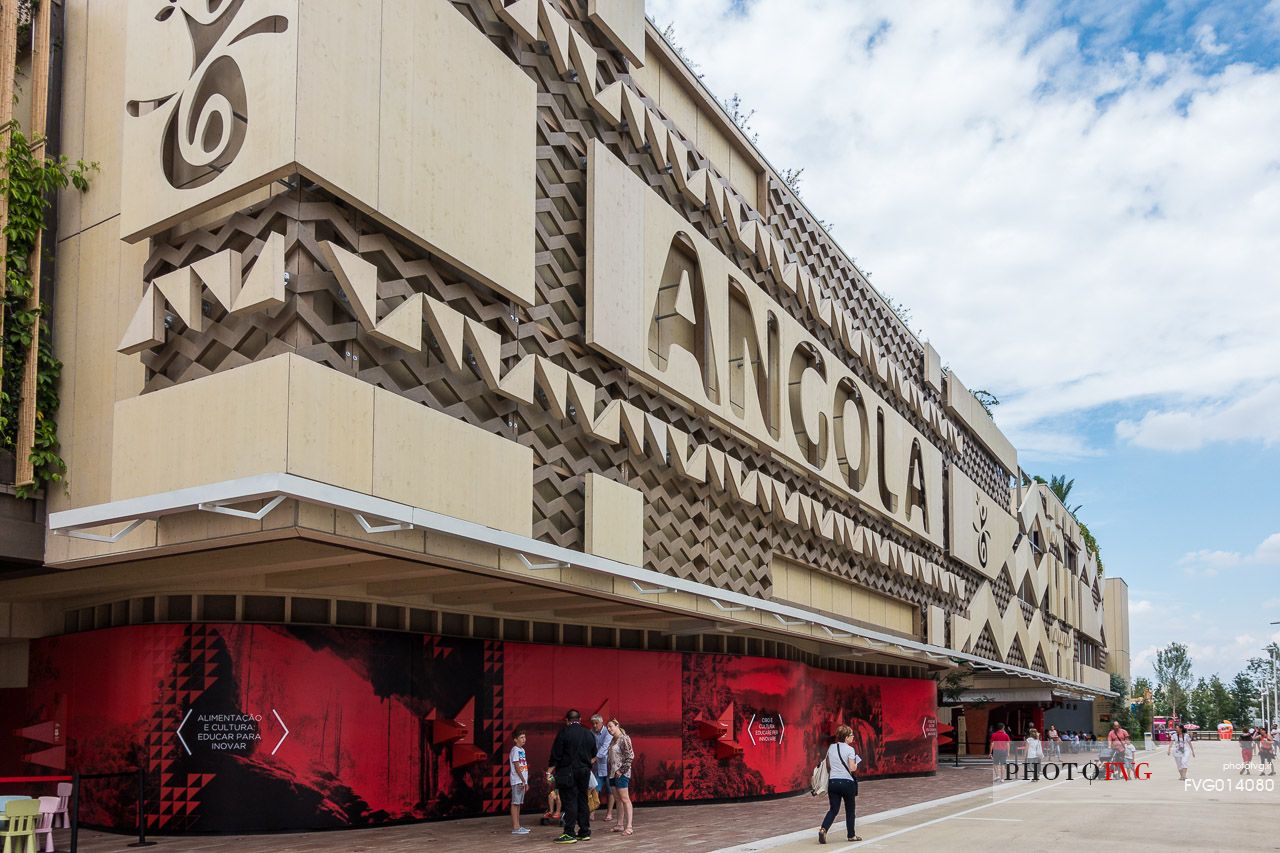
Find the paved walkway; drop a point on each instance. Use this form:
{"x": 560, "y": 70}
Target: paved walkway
{"x": 958, "y": 810}
{"x": 1217, "y": 809}
{"x": 692, "y": 828}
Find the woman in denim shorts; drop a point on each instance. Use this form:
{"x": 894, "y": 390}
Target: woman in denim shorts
{"x": 621, "y": 754}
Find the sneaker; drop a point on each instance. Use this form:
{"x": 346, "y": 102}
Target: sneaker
{"x": 524, "y": 830}
{"x": 586, "y": 837}
{"x": 566, "y": 838}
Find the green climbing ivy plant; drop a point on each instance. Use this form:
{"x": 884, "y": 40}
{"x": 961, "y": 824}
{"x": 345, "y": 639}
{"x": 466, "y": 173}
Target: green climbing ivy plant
{"x": 30, "y": 179}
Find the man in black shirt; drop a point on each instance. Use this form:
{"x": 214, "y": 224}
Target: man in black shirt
{"x": 572, "y": 754}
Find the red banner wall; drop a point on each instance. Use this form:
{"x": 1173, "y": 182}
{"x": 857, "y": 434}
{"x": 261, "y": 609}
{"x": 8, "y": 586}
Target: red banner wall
{"x": 260, "y": 727}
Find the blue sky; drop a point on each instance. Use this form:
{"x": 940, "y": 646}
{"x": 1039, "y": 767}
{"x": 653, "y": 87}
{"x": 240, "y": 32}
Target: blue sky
{"x": 1216, "y": 33}
{"x": 1079, "y": 202}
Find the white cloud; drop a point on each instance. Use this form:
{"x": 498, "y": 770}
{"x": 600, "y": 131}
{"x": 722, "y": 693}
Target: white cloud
{"x": 1207, "y": 41}
{"x": 1070, "y": 234}
{"x": 1143, "y": 661}
{"x": 1051, "y": 444}
{"x": 1252, "y": 417}
{"x": 1209, "y": 562}
{"x": 1214, "y": 645}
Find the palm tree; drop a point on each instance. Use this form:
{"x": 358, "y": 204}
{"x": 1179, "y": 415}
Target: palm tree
{"x": 1061, "y": 486}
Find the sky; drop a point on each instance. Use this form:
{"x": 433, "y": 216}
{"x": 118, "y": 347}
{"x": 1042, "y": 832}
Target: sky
{"x": 1079, "y": 204}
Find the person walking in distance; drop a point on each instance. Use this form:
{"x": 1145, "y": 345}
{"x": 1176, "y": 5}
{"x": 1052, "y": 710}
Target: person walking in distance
{"x": 1035, "y": 751}
{"x": 842, "y": 787}
{"x": 999, "y": 752}
{"x": 621, "y": 755}
{"x": 1266, "y": 754}
{"x": 601, "y": 767}
{"x": 1054, "y": 743}
{"x": 572, "y": 755}
{"x": 1246, "y": 753}
{"x": 1115, "y": 741}
{"x": 1181, "y": 749}
{"x": 518, "y": 764}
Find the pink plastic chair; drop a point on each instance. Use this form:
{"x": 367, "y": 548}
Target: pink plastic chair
{"x": 48, "y": 812}
{"x": 64, "y": 797}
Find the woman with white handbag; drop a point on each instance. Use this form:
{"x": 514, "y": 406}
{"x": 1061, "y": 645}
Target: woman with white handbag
{"x": 842, "y": 783}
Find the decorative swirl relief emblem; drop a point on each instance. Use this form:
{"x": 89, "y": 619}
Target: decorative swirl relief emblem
{"x": 208, "y": 115}
{"x": 980, "y": 527}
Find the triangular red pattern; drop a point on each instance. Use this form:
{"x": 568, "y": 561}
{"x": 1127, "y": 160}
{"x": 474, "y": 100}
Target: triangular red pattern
{"x": 54, "y": 757}
{"x": 49, "y": 731}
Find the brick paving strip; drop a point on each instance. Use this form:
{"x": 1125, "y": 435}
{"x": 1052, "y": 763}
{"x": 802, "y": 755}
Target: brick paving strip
{"x": 693, "y": 828}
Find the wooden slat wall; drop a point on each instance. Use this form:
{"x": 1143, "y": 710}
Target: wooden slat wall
{"x": 41, "y": 49}
{"x": 9, "y": 50}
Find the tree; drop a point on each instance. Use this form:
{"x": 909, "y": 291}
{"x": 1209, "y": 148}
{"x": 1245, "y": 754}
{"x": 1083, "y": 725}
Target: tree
{"x": 1161, "y": 706}
{"x": 1199, "y": 704}
{"x": 1061, "y": 486}
{"x": 951, "y": 685}
{"x": 1146, "y": 711}
{"x": 1173, "y": 672}
{"x": 1223, "y": 704}
{"x": 1242, "y": 699}
{"x": 1258, "y": 670}
{"x": 1247, "y": 687}
{"x": 1120, "y": 702}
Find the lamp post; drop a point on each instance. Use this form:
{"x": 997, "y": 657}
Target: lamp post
{"x": 1266, "y": 704}
{"x": 1275, "y": 683}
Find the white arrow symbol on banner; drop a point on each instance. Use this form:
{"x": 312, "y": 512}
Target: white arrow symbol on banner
{"x": 283, "y": 726}
{"x": 749, "y": 734}
{"x": 179, "y": 731}
{"x": 783, "y": 733}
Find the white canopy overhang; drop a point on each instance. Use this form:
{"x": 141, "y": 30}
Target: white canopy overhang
{"x": 377, "y": 515}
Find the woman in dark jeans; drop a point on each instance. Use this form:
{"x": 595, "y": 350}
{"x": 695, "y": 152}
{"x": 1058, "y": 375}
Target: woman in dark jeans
{"x": 842, "y": 762}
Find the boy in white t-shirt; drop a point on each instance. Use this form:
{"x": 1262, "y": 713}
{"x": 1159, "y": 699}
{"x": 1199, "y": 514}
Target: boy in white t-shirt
{"x": 519, "y": 766}
{"x": 1130, "y": 755}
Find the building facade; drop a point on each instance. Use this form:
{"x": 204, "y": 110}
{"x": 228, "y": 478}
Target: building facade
{"x": 1115, "y": 602}
{"x": 412, "y": 400}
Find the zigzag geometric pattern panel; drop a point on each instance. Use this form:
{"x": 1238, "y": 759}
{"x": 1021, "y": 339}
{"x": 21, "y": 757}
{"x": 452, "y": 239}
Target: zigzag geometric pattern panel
{"x": 691, "y": 531}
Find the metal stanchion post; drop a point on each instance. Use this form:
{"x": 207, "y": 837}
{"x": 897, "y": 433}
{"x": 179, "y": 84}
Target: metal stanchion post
{"x": 75, "y": 811}
{"x": 142, "y": 812}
